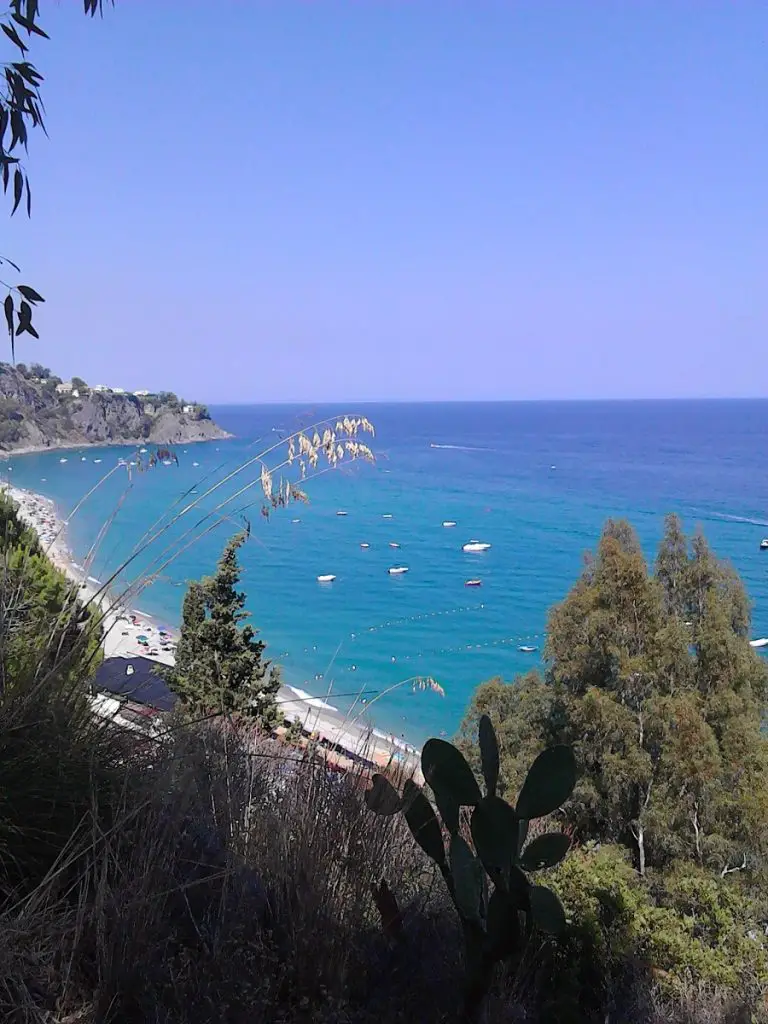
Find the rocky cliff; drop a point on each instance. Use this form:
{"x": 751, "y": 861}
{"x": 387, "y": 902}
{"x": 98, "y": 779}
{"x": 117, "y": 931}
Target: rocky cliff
{"x": 33, "y": 414}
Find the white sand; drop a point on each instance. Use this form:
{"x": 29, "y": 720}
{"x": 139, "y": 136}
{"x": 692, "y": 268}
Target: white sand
{"x": 123, "y": 626}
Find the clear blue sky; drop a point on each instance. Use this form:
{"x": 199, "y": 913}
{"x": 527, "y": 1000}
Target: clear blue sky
{"x": 320, "y": 200}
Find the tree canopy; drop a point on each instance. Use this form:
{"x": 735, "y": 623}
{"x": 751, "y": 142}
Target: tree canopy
{"x": 220, "y": 666}
{"x": 650, "y": 676}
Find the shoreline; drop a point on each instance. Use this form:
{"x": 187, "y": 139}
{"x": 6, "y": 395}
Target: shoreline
{"x": 41, "y": 449}
{"x": 123, "y": 624}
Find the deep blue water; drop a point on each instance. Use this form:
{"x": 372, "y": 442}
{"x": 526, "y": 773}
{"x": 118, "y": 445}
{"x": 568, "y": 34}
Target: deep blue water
{"x": 536, "y": 480}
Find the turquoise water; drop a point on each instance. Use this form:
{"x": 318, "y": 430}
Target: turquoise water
{"x": 536, "y": 480}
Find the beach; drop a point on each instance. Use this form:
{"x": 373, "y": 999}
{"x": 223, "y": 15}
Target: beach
{"x": 132, "y": 633}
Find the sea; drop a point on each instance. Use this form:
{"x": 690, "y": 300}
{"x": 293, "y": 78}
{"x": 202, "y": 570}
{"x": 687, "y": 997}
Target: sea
{"x": 534, "y": 480}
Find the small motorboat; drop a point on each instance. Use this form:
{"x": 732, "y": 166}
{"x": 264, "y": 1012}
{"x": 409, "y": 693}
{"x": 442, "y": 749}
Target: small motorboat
{"x": 762, "y": 642}
{"x": 329, "y": 578}
{"x": 449, "y": 522}
{"x": 83, "y": 458}
{"x": 142, "y": 451}
{"x": 473, "y": 583}
{"x": 764, "y": 544}
{"x": 342, "y": 513}
{"x": 475, "y": 545}
{"x": 397, "y": 570}
{"x": 387, "y": 515}
{"x": 195, "y": 464}
{"x": 527, "y": 648}
{"x": 62, "y": 460}
{"x": 96, "y": 461}
{"x": 365, "y": 545}
{"x": 295, "y": 520}
{"x": 394, "y": 544}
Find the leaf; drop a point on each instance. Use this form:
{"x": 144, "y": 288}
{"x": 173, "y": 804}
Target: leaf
{"x": 30, "y": 26}
{"x": 29, "y": 199}
{"x": 545, "y": 851}
{"x": 494, "y": 832}
{"x": 549, "y": 782}
{"x": 503, "y": 925}
{"x": 489, "y": 754}
{"x": 423, "y": 823}
{"x": 18, "y": 188}
{"x": 446, "y": 768}
{"x": 448, "y": 807}
{"x": 13, "y": 35}
{"x": 8, "y": 307}
{"x": 467, "y": 874}
{"x": 547, "y": 910}
{"x": 382, "y": 798}
{"x": 27, "y": 291}
{"x": 31, "y": 330}
{"x": 4, "y": 259}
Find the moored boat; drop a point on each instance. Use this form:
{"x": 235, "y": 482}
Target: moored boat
{"x": 475, "y": 545}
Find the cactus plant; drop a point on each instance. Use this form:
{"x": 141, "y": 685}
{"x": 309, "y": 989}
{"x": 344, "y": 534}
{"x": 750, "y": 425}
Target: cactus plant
{"x": 496, "y": 927}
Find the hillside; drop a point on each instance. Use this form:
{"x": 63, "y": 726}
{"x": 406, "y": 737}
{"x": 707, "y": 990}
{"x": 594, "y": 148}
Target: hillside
{"x": 39, "y": 410}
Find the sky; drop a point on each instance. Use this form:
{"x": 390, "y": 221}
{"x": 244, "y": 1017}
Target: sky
{"x": 323, "y": 200}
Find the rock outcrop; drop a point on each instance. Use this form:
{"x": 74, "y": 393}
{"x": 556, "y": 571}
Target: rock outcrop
{"x": 33, "y": 414}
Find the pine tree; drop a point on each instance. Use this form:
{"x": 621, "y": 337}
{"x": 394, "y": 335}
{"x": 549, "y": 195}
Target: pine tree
{"x": 652, "y": 679}
{"x": 220, "y": 668}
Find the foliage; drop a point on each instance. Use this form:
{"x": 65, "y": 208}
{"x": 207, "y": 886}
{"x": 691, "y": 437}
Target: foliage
{"x": 21, "y": 111}
{"x": 494, "y": 926}
{"x": 651, "y": 678}
{"x": 79, "y": 384}
{"x": 220, "y": 666}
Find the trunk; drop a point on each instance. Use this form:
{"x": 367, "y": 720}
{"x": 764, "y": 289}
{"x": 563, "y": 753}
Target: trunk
{"x": 641, "y": 849}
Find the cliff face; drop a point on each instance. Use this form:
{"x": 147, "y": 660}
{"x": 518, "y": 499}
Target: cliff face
{"x": 34, "y": 415}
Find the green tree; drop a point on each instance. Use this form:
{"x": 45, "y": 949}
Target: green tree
{"x": 651, "y": 677}
{"x": 79, "y": 384}
{"x": 220, "y": 666}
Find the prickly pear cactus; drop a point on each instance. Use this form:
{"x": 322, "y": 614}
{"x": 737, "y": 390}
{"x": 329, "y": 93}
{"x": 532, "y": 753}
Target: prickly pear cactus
{"x": 495, "y": 927}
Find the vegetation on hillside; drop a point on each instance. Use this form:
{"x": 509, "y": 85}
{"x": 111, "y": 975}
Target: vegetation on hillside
{"x": 220, "y": 668}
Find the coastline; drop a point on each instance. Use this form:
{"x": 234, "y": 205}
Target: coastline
{"x": 41, "y": 449}
{"x": 124, "y": 624}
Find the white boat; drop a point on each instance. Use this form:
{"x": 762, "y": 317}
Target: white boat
{"x": 394, "y": 544}
{"x": 762, "y": 642}
{"x": 473, "y": 583}
{"x": 397, "y": 570}
{"x": 167, "y": 462}
{"x": 62, "y": 460}
{"x": 295, "y": 520}
{"x": 142, "y": 451}
{"x": 527, "y": 648}
{"x": 475, "y": 545}
{"x": 365, "y": 545}
{"x": 195, "y": 464}
{"x": 764, "y": 544}
{"x": 329, "y": 578}
{"x": 387, "y": 515}
{"x": 96, "y": 461}
{"x": 83, "y": 458}
{"x": 449, "y": 522}
{"x": 342, "y": 513}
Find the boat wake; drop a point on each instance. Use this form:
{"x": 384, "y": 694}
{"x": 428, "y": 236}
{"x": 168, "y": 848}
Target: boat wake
{"x": 463, "y": 447}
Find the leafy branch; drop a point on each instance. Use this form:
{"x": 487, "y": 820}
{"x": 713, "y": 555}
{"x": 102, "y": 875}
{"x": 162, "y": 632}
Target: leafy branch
{"x": 21, "y": 111}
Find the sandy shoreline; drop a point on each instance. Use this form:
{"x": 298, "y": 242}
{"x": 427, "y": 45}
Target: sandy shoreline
{"x": 130, "y": 633}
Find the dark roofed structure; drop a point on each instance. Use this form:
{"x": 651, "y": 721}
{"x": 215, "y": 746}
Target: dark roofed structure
{"x": 135, "y": 679}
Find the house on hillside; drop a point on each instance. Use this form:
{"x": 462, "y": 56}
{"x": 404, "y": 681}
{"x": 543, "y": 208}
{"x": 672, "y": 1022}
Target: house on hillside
{"x": 142, "y": 394}
{"x": 189, "y": 410}
{"x": 101, "y": 388}
{"x": 117, "y": 391}
{"x": 65, "y": 388}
